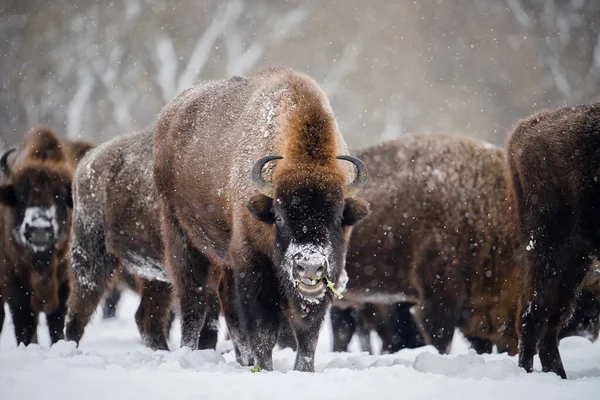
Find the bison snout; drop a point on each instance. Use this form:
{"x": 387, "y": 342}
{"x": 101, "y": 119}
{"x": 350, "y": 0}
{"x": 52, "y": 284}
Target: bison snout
{"x": 41, "y": 237}
{"x": 310, "y": 271}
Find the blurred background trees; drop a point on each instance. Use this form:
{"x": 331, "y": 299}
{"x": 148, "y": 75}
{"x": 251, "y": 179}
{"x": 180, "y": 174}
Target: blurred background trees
{"x": 96, "y": 69}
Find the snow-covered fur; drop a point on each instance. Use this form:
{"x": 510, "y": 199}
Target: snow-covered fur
{"x": 207, "y": 141}
{"x": 35, "y": 218}
{"x": 116, "y": 235}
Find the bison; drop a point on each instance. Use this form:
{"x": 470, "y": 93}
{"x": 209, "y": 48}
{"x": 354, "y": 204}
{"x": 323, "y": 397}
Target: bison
{"x": 35, "y": 216}
{"x": 554, "y": 172}
{"x": 439, "y": 237}
{"x": 278, "y": 249}
{"x": 116, "y": 240}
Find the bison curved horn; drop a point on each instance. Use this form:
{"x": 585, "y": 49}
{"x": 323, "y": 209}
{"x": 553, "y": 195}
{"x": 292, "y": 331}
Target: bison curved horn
{"x": 263, "y": 185}
{"x": 4, "y": 161}
{"x": 361, "y": 175}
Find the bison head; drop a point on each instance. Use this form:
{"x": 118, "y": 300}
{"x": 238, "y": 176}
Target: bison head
{"x": 39, "y": 196}
{"x": 312, "y": 211}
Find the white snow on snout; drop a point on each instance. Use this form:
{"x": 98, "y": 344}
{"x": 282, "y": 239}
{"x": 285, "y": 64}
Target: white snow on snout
{"x": 312, "y": 253}
{"x": 40, "y": 218}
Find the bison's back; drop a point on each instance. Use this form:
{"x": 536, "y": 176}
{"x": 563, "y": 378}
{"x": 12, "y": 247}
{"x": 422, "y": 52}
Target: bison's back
{"x": 554, "y": 162}
{"x": 115, "y": 193}
{"x": 429, "y": 191}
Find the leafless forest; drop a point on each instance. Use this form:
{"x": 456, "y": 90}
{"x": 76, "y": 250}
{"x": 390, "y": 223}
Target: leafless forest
{"x": 96, "y": 69}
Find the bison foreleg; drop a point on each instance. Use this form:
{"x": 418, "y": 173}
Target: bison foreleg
{"x": 256, "y": 298}
{"x": 307, "y": 336}
{"x": 189, "y": 270}
{"x": 343, "y": 325}
{"x": 210, "y": 330}
{"x": 405, "y": 331}
{"x": 24, "y": 318}
{"x": 56, "y": 320}
{"x": 227, "y": 297}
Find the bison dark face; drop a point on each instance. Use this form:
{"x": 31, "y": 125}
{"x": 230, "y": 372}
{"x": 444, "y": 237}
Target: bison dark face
{"x": 40, "y": 198}
{"x": 312, "y": 212}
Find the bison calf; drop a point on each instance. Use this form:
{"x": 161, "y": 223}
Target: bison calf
{"x": 554, "y": 170}
{"x": 35, "y": 218}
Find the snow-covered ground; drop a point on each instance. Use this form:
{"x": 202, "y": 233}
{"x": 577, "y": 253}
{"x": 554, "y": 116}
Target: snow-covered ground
{"x": 111, "y": 363}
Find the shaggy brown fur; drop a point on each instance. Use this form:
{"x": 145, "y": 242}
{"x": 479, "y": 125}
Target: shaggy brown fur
{"x": 34, "y": 274}
{"x": 439, "y": 236}
{"x": 116, "y": 238}
{"x": 206, "y": 143}
{"x": 554, "y": 168}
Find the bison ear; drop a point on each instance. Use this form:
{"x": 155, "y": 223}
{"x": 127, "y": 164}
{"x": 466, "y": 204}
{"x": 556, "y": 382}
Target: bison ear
{"x": 69, "y": 198}
{"x": 261, "y": 207}
{"x": 355, "y": 211}
{"x": 8, "y": 197}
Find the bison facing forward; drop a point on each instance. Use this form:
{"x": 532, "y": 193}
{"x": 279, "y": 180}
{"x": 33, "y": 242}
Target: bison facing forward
{"x": 280, "y": 245}
{"x": 554, "y": 163}
{"x": 35, "y": 216}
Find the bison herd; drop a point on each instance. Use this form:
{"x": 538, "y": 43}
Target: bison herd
{"x": 242, "y": 200}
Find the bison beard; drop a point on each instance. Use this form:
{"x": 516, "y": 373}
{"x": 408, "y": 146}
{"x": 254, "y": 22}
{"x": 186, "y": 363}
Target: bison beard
{"x": 272, "y": 248}
{"x": 554, "y": 165}
{"x": 35, "y": 219}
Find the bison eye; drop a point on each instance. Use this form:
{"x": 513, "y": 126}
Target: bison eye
{"x": 278, "y": 219}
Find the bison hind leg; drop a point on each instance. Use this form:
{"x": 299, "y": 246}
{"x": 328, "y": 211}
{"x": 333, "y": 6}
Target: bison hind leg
{"x": 152, "y": 315}
{"x": 210, "y": 330}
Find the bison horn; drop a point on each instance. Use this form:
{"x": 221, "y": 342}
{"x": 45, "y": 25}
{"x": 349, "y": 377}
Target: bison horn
{"x": 4, "y": 162}
{"x": 361, "y": 175}
{"x": 263, "y": 185}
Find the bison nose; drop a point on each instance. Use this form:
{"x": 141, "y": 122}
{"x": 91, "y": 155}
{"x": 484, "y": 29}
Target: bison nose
{"x": 39, "y": 236}
{"x": 309, "y": 270}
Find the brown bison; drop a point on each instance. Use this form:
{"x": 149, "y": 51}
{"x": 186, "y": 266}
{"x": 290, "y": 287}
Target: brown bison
{"x": 35, "y": 216}
{"x": 116, "y": 240}
{"x": 440, "y": 237}
{"x": 554, "y": 172}
{"x": 281, "y": 245}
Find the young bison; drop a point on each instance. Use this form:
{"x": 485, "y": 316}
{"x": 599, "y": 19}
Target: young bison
{"x": 116, "y": 239}
{"x": 35, "y": 217}
{"x": 554, "y": 171}
{"x": 283, "y": 243}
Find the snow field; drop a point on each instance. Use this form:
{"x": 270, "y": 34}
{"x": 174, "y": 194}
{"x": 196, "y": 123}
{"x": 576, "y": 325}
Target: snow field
{"x": 112, "y": 363}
